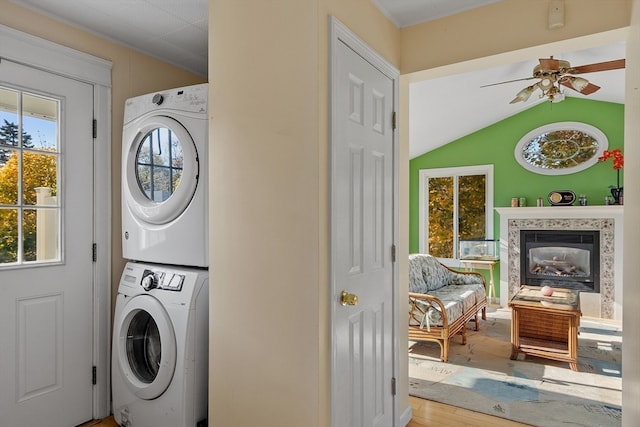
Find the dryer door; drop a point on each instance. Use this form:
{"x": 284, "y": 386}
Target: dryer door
{"x": 146, "y": 347}
{"x": 160, "y": 169}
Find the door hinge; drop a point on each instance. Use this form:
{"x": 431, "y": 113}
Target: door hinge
{"x": 393, "y": 120}
{"x": 94, "y": 376}
{"x": 94, "y": 252}
{"x": 95, "y": 128}
{"x": 393, "y": 386}
{"x": 393, "y": 253}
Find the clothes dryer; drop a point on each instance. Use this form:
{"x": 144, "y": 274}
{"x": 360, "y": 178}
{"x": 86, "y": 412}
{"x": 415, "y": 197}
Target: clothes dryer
{"x": 164, "y": 177}
{"x": 160, "y": 347}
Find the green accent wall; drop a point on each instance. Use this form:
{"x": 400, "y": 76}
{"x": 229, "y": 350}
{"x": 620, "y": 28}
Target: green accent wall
{"x": 495, "y": 145}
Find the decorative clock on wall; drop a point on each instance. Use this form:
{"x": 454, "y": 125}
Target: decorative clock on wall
{"x": 561, "y": 148}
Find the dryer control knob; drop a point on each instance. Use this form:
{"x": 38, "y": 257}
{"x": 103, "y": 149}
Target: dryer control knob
{"x": 157, "y": 99}
{"x": 148, "y": 281}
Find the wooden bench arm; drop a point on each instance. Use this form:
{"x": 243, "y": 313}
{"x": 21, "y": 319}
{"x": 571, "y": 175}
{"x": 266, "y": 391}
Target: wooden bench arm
{"x": 429, "y": 300}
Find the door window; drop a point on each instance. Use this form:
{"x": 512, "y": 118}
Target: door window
{"x": 29, "y": 178}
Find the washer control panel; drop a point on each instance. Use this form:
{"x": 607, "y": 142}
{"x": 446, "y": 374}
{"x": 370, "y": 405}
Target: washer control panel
{"x": 160, "y": 280}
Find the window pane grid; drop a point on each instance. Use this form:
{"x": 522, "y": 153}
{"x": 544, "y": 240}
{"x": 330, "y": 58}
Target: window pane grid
{"x": 29, "y": 177}
{"x": 455, "y": 208}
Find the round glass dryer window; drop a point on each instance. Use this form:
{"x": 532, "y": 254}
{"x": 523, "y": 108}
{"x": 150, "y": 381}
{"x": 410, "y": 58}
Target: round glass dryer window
{"x": 159, "y": 164}
{"x": 143, "y": 347}
{"x": 160, "y": 170}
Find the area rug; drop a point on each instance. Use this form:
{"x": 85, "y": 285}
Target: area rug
{"x": 480, "y": 376}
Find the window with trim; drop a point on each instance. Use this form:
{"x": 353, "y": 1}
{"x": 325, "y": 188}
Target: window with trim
{"x": 29, "y": 178}
{"x": 455, "y": 204}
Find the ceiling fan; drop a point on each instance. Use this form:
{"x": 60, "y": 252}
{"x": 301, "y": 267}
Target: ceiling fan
{"x": 552, "y": 73}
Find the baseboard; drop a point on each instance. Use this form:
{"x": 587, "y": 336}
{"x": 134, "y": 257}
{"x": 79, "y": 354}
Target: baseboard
{"x": 406, "y": 416}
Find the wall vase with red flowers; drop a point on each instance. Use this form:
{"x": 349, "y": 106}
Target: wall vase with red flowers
{"x": 618, "y": 163}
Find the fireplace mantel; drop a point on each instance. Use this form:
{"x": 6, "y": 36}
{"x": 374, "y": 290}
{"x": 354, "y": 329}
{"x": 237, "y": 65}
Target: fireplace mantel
{"x": 608, "y": 219}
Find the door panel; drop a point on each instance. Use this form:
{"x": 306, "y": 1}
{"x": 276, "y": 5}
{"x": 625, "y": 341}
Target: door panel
{"x": 46, "y": 306}
{"x": 362, "y": 236}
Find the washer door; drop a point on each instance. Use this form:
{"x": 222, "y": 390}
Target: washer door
{"x": 160, "y": 170}
{"x": 146, "y": 347}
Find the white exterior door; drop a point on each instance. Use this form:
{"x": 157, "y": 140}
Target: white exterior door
{"x": 46, "y": 291}
{"x": 362, "y": 223}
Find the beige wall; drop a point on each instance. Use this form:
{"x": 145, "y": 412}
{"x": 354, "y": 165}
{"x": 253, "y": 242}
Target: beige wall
{"x": 269, "y": 324}
{"x": 505, "y": 26}
{"x": 132, "y": 74}
{"x": 631, "y": 314}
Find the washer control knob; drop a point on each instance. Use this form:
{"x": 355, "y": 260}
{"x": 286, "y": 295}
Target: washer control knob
{"x": 149, "y": 280}
{"x": 157, "y": 99}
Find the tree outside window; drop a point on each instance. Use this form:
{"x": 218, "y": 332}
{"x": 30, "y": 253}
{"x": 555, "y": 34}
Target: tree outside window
{"x": 28, "y": 178}
{"x": 455, "y": 204}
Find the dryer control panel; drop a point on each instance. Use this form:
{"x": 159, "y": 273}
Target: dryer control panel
{"x": 161, "y": 280}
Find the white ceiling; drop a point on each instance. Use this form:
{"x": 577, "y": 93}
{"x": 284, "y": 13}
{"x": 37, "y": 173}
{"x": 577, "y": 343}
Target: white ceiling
{"x": 441, "y": 110}
{"x": 175, "y": 31}
{"x": 404, "y": 13}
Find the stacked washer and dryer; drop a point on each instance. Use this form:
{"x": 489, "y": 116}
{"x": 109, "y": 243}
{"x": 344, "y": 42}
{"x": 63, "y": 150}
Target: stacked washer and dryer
{"x": 160, "y": 331}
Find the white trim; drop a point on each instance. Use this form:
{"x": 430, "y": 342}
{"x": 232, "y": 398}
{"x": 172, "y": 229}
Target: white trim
{"x": 102, "y": 267}
{"x": 340, "y": 33}
{"x": 597, "y": 134}
{"x": 54, "y": 58}
{"x": 406, "y": 416}
{"x": 486, "y": 170}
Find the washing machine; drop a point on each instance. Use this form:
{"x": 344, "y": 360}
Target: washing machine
{"x": 160, "y": 347}
{"x": 164, "y": 177}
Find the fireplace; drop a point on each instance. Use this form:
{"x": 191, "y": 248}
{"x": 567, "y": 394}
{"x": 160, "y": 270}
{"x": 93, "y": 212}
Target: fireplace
{"x": 561, "y": 259}
{"x": 608, "y": 221}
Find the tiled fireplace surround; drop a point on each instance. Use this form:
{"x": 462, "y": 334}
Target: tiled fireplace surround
{"x": 607, "y": 219}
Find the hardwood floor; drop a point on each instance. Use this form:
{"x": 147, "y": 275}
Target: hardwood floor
{"x": 425, "y": 414}
{"x": 106, "y": 422}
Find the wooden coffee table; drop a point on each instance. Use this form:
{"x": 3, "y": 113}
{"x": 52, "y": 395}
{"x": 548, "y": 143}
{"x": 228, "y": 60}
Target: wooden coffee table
{"x": 546, "y": 326}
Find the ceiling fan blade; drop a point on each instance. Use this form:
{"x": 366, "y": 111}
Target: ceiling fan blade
{"x": 587, "y": 90}
{"x": 599, "y": 66}
{"x": 509, "y": 81}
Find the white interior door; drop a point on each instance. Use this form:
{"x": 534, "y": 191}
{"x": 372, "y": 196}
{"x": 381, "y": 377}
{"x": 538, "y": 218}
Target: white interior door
{"x": 362, "y": 237}
{"x": 46, "y": 216}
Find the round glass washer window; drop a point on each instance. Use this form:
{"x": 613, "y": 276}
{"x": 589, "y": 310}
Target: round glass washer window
{"x": 159, "y": 164}
{"x": 144, "y": 349}
{"x": 561, "y": 148}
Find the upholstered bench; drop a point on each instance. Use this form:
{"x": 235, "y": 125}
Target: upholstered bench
{"x": 442, "y": 301}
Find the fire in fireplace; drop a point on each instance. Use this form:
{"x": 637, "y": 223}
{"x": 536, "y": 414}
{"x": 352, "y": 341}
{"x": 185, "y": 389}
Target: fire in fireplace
{"x": 561, "y": 259}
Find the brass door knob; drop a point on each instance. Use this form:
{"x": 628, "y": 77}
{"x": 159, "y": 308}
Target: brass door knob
{"x": 348, "y": 299}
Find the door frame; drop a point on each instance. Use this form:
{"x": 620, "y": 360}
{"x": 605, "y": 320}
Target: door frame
{"x": 51, "y": 57}
{"x": 339, "y": 33}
